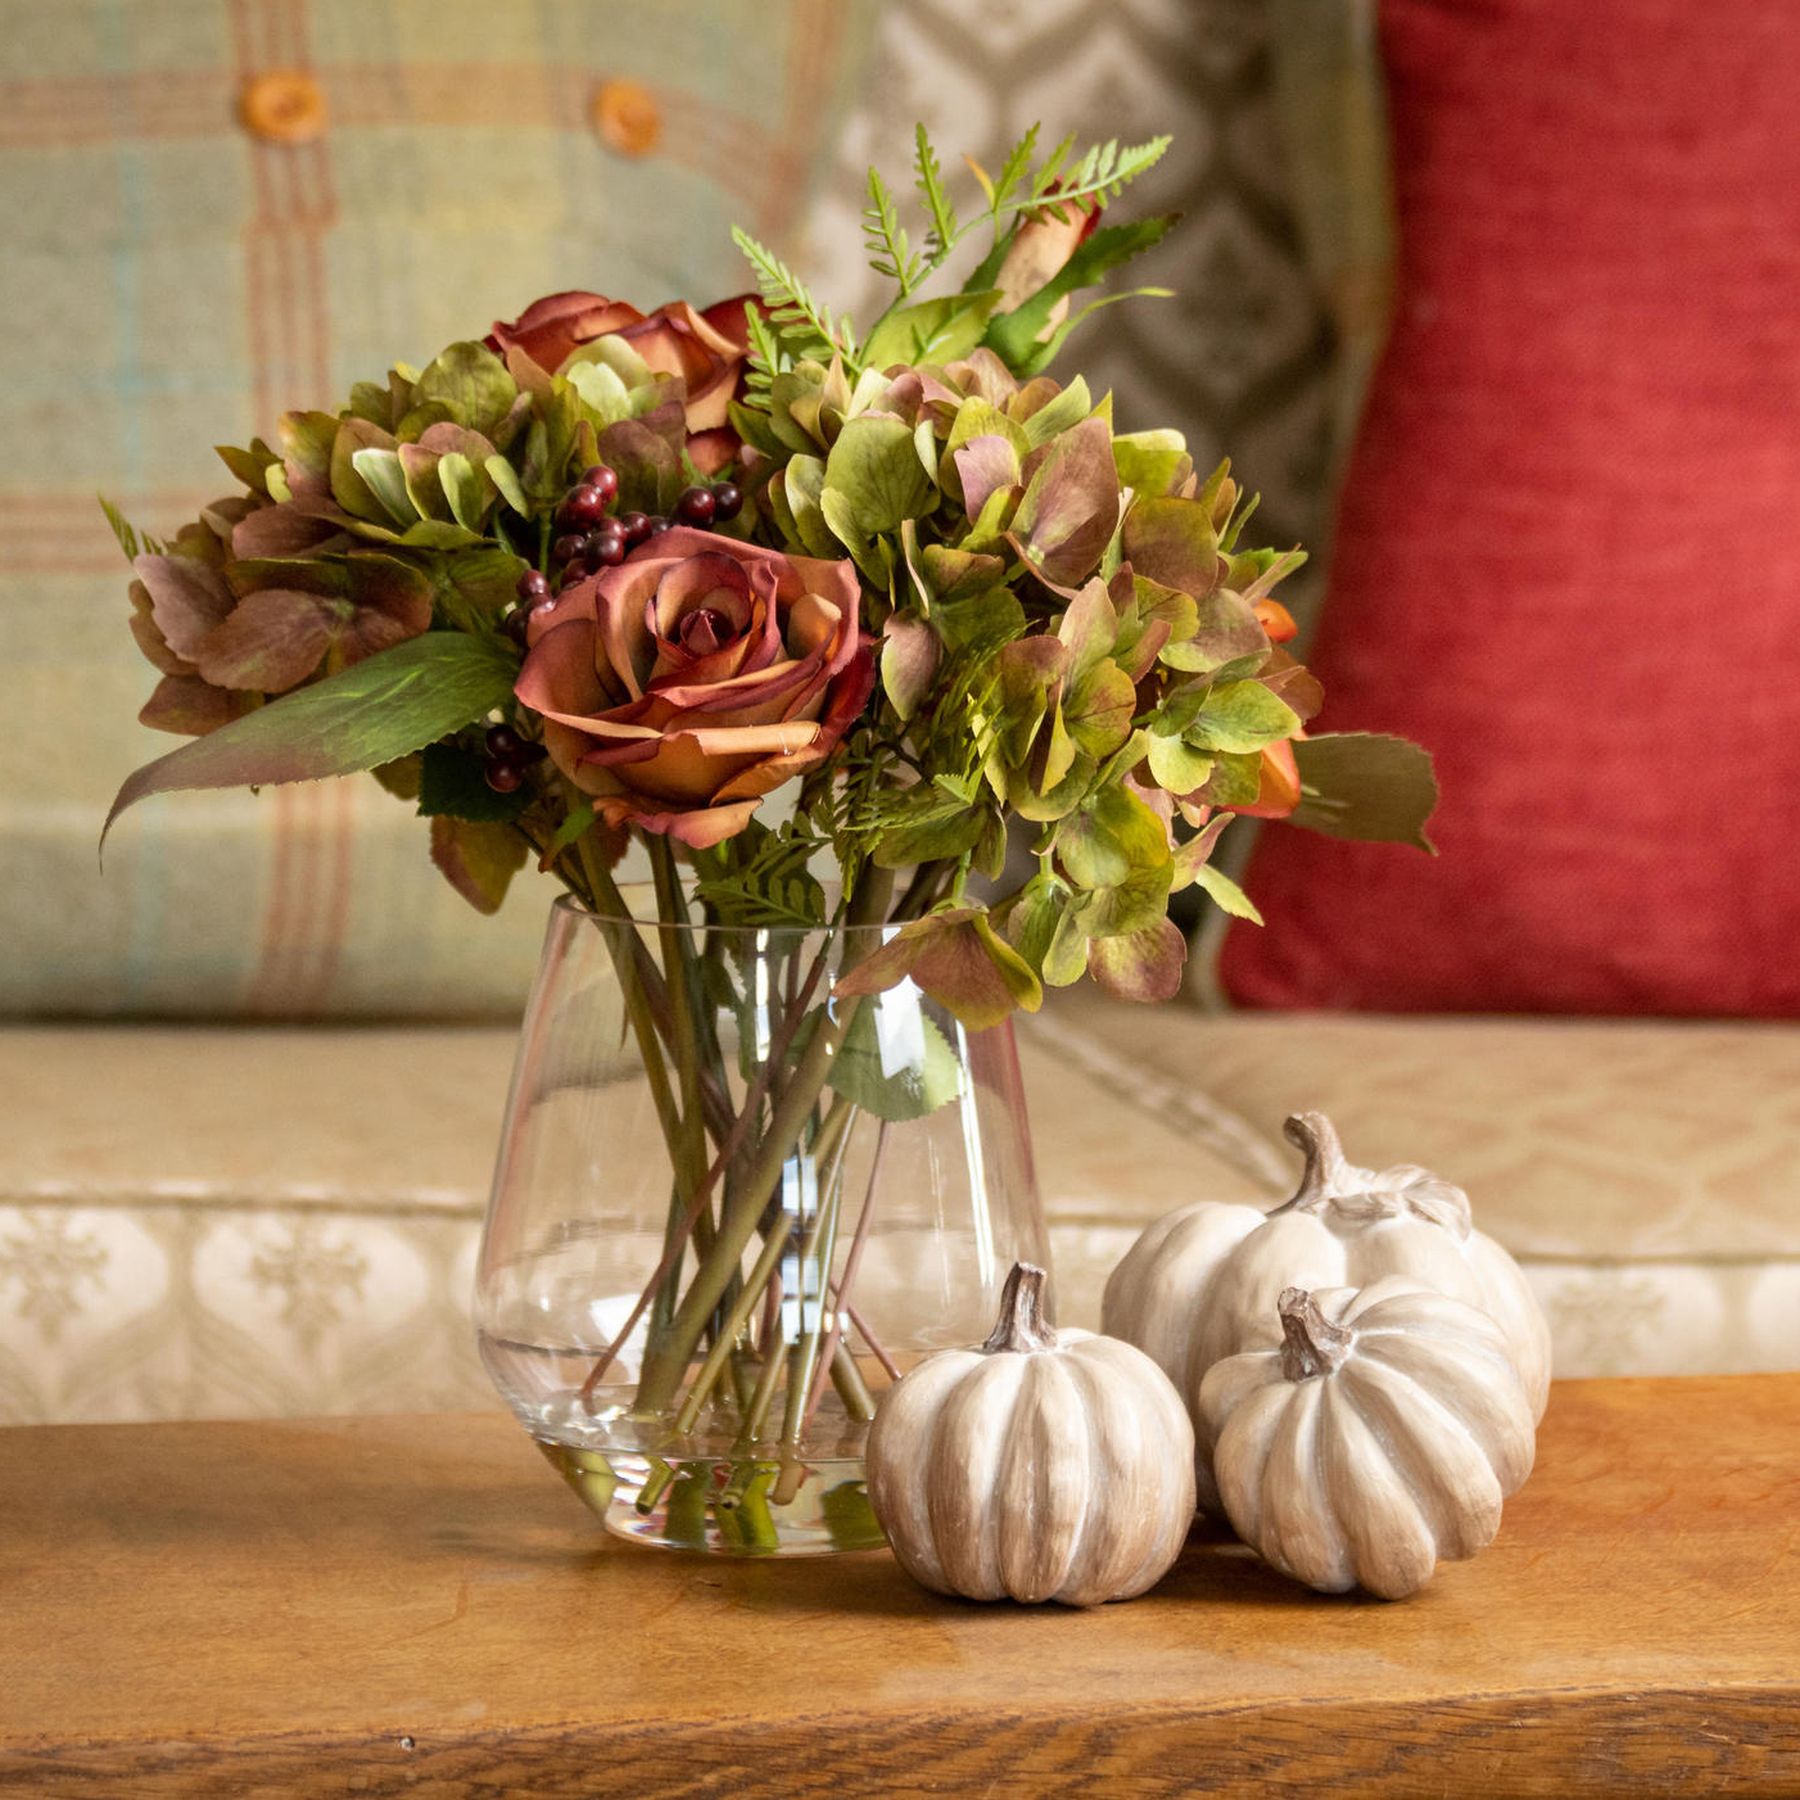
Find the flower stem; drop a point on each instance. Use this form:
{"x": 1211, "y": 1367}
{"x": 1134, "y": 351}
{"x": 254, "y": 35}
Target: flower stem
{"x": 827, "y": 1357}
{"x": 688, "y": 1151}
{"x": 740, "y": 1131}
{"x": 757, "y": 1412}
{"x": 727, "y": 1154}
{"x": 753, "y": 1517}
{"x": 875, "y": 1344}
{"x": 847, "y": 1378}
{"x": 734, "y": 1323}
{"x": 665, "y": 1363}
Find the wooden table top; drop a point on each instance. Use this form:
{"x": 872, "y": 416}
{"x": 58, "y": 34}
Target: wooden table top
{"x": 418, "y": 1606}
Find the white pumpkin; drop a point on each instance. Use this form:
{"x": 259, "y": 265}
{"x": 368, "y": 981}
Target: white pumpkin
{"x": 1042, "y": 1466}
{"x": 1379, "y": 1439}
{"x": 1202, "y": 1282}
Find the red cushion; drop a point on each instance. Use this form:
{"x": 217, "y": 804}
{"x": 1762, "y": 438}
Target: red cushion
{"x": 1568, "y": 554}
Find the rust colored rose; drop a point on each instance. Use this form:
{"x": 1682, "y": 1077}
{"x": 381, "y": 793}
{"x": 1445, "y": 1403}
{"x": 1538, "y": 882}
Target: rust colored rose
{"x": 696, "y": 677}
{"x": 706, "y": 349}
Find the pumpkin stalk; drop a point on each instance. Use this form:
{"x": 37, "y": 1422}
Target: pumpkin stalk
{"x": 1316, "y": 1138}
{"x": 1022, "y": 1323}
{"x": 1311, "y": 1344}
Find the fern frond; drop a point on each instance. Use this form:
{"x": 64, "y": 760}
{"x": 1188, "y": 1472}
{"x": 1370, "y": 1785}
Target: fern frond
{"x": 930, "y": 182}
{"x": 133, "y": 542}
{"x": 1012, "y": 171}
{"x": 771, "y": 886}
{"x": 890, "y": 252}
{"x": 767, "y": 359}
{"x": 799, "y": 324}
{"x": 1048, "y": 173}
{"x": 1099, "y": 176}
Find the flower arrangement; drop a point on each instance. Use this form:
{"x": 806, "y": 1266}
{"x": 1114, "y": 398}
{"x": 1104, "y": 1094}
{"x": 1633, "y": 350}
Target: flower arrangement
{"x": 761, "y": 593}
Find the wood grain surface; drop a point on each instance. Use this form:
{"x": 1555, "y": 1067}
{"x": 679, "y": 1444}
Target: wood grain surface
{"x": 416, "y": 1606}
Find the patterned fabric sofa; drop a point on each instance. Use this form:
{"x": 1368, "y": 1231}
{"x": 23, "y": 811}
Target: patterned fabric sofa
{"x": 262, "y": 1220}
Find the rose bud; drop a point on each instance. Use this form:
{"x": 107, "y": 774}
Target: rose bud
{"x": 1279, "y": 793}
{"x": 1041, "y": 246}
{"x": 1277, "y": 622}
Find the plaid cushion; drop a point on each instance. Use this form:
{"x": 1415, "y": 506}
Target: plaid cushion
{"x": 173, "y": 279}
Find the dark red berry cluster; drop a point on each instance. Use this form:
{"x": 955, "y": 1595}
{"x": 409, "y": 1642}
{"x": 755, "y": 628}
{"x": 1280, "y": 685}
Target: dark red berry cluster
{"x": 590, "y": 538}
{"x": 508, "y": 757}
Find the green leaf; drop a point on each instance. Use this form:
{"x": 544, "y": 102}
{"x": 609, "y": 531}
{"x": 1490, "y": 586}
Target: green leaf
{"x": 472, "y": 382}
{"x": 950, "y": 575}
{"x": 988, "y": 530}
{"x": 386, "y": 480}
{"x": 894, "y": 1062}
{"x": 955, "y": 956}
{"x": 614, "y": 353}
{"x": 932, "y": 827}
{"x": 1143, "y": 965}
{"x": 1141, "y": 899}
{"x": 802, "y": 487}
{"x": 1013, "y": 336}
{"x": 798, "y": 324}
{"x": 1109, "y": 837}
{"x": 505, "y": 478}
{"x": 464, "y": 489}
{"x": 371, "y": 400}
{"x": 875, "y": 469}
{"x": 1366, "y": 787}
{"x": 486, "y": 579}
{"x": 1097, "y": 710}
{"x": 930, "y": 331}
{"x": 1172, "y": 542}
{"x": 1224, "y": 634}
{"x": 781, "y": 897}
{"x": 423, "y": 489}
{"x": 1066, "y": 957}
{"x": 1226, "y": 893}
{"x": 1241, "y": 716}
{"x": 1235, "y": 781}
{"x": 309, "y": 438}
{"x": 400, "y": 777}
{"x": 1030, "y": 919}
{"x": 384, "y": 707}
{"x": 1059, "y": 413}
{"x": 910, "y": 655}
{"x": 451, "y": 781}
{"x": 602, "y": 391}
{"x": 1177, "y": 767}
{"x": 1071, "y": 505}
{"x": 647, "y": 464}
{"x": 251, "y": 466}
{"x": 1147, "y": 461}
{"x": 478, "y": 859}
{"x": 1048, "y": 350}
{"x": 349, "y": 487}
{"x": 575, "y": 825}
{"x": 980, "y": 623}
{"x": 1191, "y": 857}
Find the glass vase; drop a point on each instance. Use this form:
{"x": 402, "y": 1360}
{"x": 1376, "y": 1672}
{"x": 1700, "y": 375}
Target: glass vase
{"x": 729, "y": 1209}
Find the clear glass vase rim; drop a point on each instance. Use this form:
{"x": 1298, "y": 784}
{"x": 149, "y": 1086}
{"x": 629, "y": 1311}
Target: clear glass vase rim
{"x": 648, "y": 920}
